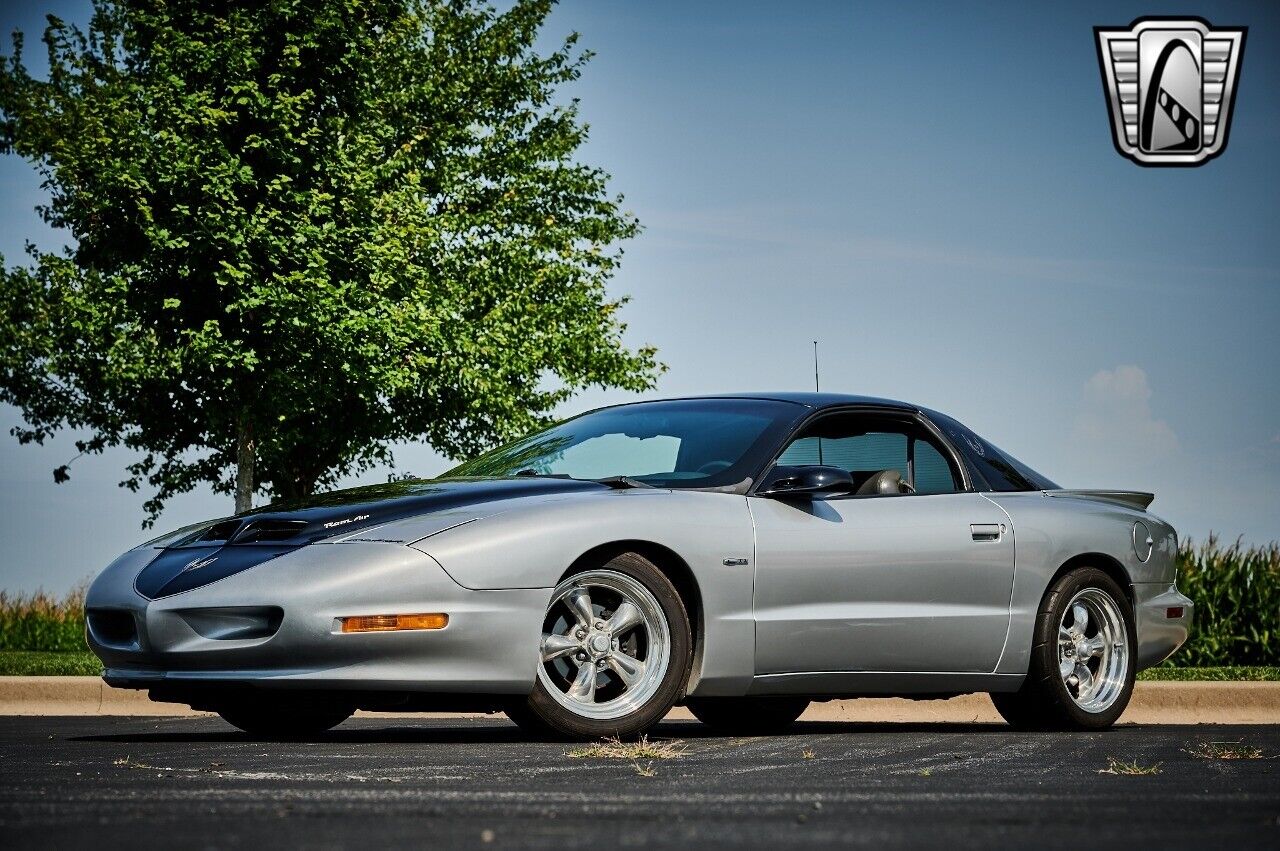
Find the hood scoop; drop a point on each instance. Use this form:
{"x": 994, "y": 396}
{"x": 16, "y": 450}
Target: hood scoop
{"x": 268, "y": 529}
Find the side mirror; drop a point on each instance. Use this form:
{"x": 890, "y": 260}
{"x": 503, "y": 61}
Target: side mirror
{"x": 817, "y": 480}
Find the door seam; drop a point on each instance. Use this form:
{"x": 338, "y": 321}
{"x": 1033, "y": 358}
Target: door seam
{"x": 1013, "y": 581}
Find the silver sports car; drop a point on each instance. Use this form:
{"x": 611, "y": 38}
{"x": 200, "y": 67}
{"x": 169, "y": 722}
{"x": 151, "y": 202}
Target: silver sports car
{"x": 742, "y": 555}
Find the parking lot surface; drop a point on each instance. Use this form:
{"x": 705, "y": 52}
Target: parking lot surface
{"x": 413, "y": 782}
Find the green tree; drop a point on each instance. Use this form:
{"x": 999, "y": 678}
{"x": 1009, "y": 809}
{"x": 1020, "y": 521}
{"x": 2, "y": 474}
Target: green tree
{"x": 301, "y": 231}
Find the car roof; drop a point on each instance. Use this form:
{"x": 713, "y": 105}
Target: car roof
{"x": 808, "y": 399}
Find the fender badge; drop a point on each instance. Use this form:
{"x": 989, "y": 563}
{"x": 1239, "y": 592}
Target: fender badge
{"x": 199, "y": 563}
{"x": 355, "y": 519}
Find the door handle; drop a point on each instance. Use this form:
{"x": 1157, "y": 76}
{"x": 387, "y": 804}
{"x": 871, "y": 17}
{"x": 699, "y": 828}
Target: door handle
{"x": 986, "y": 531}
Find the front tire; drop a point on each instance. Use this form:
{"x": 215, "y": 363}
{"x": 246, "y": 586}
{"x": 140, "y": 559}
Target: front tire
{"x": 285, "y": 719}
{"x": 1082, "y": 663}
{"x": 615, "y": 653}
{"x": 748, "y": 716}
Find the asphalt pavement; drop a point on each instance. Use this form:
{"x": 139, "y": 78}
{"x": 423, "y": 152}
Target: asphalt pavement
{"x": 395, "y": 783}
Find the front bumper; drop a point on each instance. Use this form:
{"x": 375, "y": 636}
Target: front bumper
{"x": 277, "y": 626}
{"x": 1159, "y": 633}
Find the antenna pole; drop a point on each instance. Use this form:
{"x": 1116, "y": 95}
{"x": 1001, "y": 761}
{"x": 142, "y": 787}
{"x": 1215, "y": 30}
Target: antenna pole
{"x": 815, "y": 366}
{"x": 815, "y": 390}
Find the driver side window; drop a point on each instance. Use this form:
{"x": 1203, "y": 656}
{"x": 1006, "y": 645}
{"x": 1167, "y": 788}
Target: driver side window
{"x": 868, "y": 446}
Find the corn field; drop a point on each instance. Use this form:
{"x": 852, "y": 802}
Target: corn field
{"x": 1236, "y": 590}
{"x": 41, "y": 621}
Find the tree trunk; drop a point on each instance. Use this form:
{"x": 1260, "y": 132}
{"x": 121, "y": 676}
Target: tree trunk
{"x": 244, "y": 466}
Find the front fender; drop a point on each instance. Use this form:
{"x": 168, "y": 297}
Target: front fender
{"x": 532, "y": 544}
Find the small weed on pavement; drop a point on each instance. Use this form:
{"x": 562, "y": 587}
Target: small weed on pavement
{"x": 634, "y": 751}
{"x": 130, "y": 762}
{"x": 1225, "y": 750}
{"x": 1119, "y": 766}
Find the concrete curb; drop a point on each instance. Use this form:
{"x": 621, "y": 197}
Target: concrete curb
{"x": 1152, "y": 703}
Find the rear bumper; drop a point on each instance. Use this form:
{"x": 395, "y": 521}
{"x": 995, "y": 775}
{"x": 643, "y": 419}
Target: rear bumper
{"x": 1161, "y": 630}
{"x": 277, "y": 626}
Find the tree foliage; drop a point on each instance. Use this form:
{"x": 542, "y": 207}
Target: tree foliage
{"x": 306, "y": 229}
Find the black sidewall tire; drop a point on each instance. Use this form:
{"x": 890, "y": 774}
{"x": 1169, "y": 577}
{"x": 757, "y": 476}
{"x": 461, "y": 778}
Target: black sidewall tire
{"x": 1043, "y": 702}
{"x": 542, "y": 715}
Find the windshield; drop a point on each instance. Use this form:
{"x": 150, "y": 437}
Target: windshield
{"x": 691, "y": 443}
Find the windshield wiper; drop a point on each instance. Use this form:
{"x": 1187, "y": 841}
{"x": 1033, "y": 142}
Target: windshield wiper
{"x": 616, "y": 482}
{"x": 531, "y": 473}
{"x": 622, "y": 482}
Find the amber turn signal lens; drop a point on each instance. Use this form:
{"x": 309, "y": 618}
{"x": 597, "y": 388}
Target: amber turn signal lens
{"x": 390, "y": 623}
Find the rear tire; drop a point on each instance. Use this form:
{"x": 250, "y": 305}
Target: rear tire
{"x": 614, "y": 654}
{"x": 1082, "y": 662}
{"x": 748, "y": 716}
{"x": 285, "y": 719}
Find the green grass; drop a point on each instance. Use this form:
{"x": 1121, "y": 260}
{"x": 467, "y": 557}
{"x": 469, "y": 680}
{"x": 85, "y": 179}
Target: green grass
{"x": 1232, "y": 672}
{"x": 42, "y": 663}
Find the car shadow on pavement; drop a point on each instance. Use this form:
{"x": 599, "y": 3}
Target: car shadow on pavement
{"x": 499, "y": 731}
{"x": 410, "y": 732}
{"x": 696, "y": 730}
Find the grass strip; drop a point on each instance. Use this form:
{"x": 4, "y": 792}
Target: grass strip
{"x": 45, "y": 663}
{"x": 1232, "y": 673}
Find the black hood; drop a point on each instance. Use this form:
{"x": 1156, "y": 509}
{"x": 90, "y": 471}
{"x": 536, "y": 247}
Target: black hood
{"x": 229, "y": 546}
{"x": 340, "y": 512}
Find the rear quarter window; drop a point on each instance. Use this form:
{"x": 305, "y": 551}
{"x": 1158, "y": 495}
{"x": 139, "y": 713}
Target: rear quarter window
{"x": 999, "y": 470}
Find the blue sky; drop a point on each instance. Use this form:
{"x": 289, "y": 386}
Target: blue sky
{"x": 933, "y": 195}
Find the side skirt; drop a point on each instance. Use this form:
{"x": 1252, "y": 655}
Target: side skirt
{"x": 883, "y": 683}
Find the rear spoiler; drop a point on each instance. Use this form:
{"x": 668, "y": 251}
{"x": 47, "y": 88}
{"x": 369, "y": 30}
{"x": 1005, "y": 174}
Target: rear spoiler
{"x": 1134, "y": 499}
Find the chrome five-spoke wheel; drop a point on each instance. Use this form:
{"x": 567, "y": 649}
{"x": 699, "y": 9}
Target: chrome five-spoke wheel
{"x": 1093, "y": 650}
{"x": 606, "y": 645}
{"x": 1081, "y": 666}
{"x": 613, "y": 654}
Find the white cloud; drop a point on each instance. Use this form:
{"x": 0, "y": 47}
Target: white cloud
{"x": 1116, "y": 416}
